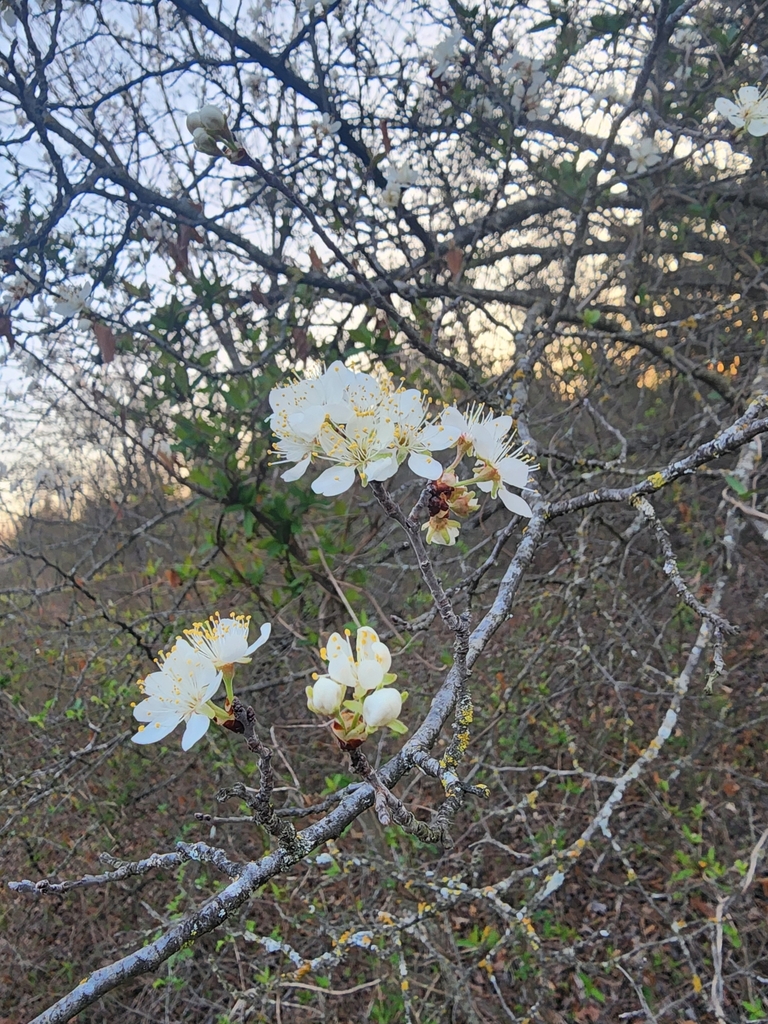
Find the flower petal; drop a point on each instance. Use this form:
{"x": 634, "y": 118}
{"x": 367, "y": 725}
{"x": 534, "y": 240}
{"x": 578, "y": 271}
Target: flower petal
{"x": 381, "y": 469}
{"x": 264, "y": 634}
{"x": 726, "y": 107}
{"x": 341, "y": 670}
{"x": 327, "y": 695}
{"x": 382, "y": 707}
{"x": 155, "y": 732}
{"x": 370, "y": 674}
{"x": 424, "y": 466}
{"x": 334, "y": 481}
{"x": 748, "y": 94}
{"x": 513, "y": 471}
{"x": 485, "y": 443}
{"x": 297, "y": 471}
{"x": 338, "y": 646}
{"x": 197, "y": 727}
{"x": 381, "y": 653}
{"x": 210, "y": 687}
{"x": 437, "y": 437}
{"x": 515, "y": 503}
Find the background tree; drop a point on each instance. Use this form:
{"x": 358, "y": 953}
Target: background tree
{"x": 533, "y": 206}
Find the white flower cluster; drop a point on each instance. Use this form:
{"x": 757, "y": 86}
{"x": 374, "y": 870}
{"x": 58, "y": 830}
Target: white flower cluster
{"x": 365, "y": 425}
{"x": 17, "y": 287}
{"x": 375, "y": 703}
{"x": 749, "y": 112}
{"x": 526, "y": 79}
{"x": 189, "y": 676}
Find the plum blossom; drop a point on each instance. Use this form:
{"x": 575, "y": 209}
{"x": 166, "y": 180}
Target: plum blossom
{"x": 368, "y": 670}
{"x": 72, "y": 300}
{"x": 414, "y": 437}
{"x": 326, "y": 696}
{"x": 209, "y": 118}
{"x": 365, "y": 446}
{"x": 225, "y": 641}
{"x": 444, "y": 54}
{"x": 324, "y": 127}
{"x": 497, "y": 466}
{"x": 180, "y": 691}
{"x": 441, "y": 529}
{"x": 527, "y": 80}
{"x": 398, "y": 179}
{"x": 209, "y": 127}
{"x": 750, "y": 111}
{"x": 643, "y": 155}
{"x": 299, "y": 410}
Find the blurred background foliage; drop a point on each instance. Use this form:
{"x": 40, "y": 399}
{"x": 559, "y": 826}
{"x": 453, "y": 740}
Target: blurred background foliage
{"x": 621, "y": 316}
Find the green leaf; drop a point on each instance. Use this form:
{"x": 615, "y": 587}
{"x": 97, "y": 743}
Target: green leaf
{"x": 741, "y": 489}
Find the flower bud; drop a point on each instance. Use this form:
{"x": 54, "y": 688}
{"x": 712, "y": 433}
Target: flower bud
{"x": 325, "y": 697}
{"x": 213, "y": 119}
{"x": 194, "y": 122}
{"x": 204, "y": 143}
{"x": 382, "y": 707}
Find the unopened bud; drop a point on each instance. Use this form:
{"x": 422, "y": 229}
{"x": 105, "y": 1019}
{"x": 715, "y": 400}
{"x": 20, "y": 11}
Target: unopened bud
{"x": 194, "y": 122}
{"x": 213, "y": 119}
{"x": 382, "y": 707}
{"x": 204, "y": 143}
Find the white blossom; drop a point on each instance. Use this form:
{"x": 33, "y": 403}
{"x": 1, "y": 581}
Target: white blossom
{"x": 414, "y": 437}
{"x": 398, "y": 178}
{"x": 211, "y": 119}
{"x": 178, "y": 692}
{"x": 444, "y": 54}
{"x": 299, "y": 410}
{"x": 750, "y": 111}
{"x": 72, "y": 301}
{"x": 326, "y": 696}
{"x": 205, "y": 143}
{"x": 368, "y": 670}
{"x": 643, "y": 155}
{"x": 390, "y": 196}
{"x": 325, "y": 126}
{"x": 225, "y": 641}
{"x": 486, "y": 437}
{"x": 364, "y": 446}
